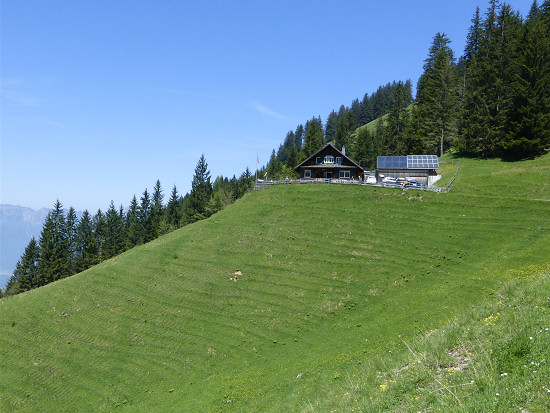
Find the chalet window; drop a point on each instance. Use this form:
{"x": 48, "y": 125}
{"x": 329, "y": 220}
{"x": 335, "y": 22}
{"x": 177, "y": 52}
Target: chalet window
{"x": 307, "y": 173}
{"x": 344, "y": 174}
{"x": 319, "y": 160}
{"x": 329, "y": 159}
{"x": 339, "y": 160}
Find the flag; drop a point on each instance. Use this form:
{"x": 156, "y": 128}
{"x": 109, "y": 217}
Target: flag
{"x": 257, "y": 159}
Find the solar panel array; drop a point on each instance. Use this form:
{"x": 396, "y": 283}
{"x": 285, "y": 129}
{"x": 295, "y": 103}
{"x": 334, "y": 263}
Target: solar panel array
{"x": 422, "y": 162}
{"x": 392, "y": 162}
{"x": 408, "y": 162}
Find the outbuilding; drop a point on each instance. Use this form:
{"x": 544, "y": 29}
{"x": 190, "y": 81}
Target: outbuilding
{"x": 422, "y": 168}
{"x": 329, "y": 163}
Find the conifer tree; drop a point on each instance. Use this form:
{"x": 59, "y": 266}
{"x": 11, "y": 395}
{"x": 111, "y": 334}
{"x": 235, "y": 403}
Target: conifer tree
{"x": 114, "y": 233}
{"x": 157, "y": 211}
{"x": 173, "y": 210}
{"x": 343, "y": 129}
{"x": 99, "y": 228}
{"x": 436, "y": 97}
{"x": 133, "y": 233}
{"x": 274, "y": 167}
{"x": 299, "y": 137}
{"x": 86, "y": 246}
{"x": 72, "y": 224}
{"x": 398, "y": 119}
{"x": 331, "y": 126}
{"x": 28, "y": 275}
{"x": 53, "y": 263}
{"x": 314, "y": 135}
{"x": 145, "y": 218}
{"x": 201, "y": 192}
{"x": 529, "y": 119}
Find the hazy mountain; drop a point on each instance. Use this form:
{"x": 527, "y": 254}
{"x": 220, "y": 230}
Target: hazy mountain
{"x": 17, "y": 226}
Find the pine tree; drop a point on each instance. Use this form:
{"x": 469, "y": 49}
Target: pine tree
{"x": 398, "y": 119}
{"x": 85, "y": 246}
{"x": 365, "y": 148}
{"x": 201, "y": 192}
{"x": 529, "y": 120}
{"x": 27, "y": 271}
{"x": 173, "y": 210}
{"x": 344, "y": 128}
{"x": 314, "y": 135}
{"x": 53, "y": 262}
{"x": 274, "y": 167}
{"x": 115, "y": 239}
{"x": 331, "y": 126}
{"x": 436, "y": 97}
{"x": 145, "y": 218}
{"x": 299, "y": 137}
{"x": 99, "y": 227}
{"x": 157, "y": 211}
{"x": 72, "y": 224}
{"x": 133, "y": 232}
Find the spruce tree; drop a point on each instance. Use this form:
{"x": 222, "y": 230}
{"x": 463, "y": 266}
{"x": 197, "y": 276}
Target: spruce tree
{"x": 85, "y": 246}
{"x": 436, "y": 97}
{"x": 114, "y": 233}
{"x": 173, "y": 210}
{"x": 27, "y": 271}
{"x": 53, "y": 262}
{"x": 398, "y": 119}
{"x": 157, "y": 211}
{"x": 331, "y": 126}
{"x": 314, "y": 135}
{"x": 72, "y": 224}
{"x": 529, "y": 120}
{"x": 99, "y": 228}
{"x": 201, "y": 192}
{"x": 133, "y": 232}
{"x": 145, "y": 218}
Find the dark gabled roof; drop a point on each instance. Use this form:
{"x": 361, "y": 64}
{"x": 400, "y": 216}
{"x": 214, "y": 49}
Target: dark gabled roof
{"x": 336, "y": 150}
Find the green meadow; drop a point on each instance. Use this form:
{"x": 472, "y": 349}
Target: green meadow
{"x": 309, "y": 297}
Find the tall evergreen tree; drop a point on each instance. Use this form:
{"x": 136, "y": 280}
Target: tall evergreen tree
{"x": 133, "y": 232}
{"x": 53, "y": 262}
{"x": 365, "y": 148}
{"x": 529, "y": 120}
{"x": 100, "y": 230}
{"x": 344, "y": 128}
{"x": 436, "y": 97}
{"x": 115, "y": 234}
{"x": 314, "y": 136}
{"x": 201, "y": 192}
{"x": 398, "y": 119}
{"x": 173, "y": 210}
{"x": 72, "y": 224}
{"x": 331, "y": 126}
{"x": 299, "y": 137}
{"x": 27, "y": 271}
{"x": 145, "y": 218}
{"x": 157, "y": 211}
{"x": 87, "y": 254}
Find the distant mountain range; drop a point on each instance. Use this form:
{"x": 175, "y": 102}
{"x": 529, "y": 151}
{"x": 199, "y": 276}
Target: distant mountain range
{"x": 17, "y": 226}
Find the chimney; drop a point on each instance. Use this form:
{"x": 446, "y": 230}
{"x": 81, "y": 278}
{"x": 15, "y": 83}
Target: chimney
{"x": 343, "y": 150}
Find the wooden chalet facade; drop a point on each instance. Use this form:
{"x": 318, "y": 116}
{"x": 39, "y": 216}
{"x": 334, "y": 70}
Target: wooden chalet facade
{"x": 329, "y": 163}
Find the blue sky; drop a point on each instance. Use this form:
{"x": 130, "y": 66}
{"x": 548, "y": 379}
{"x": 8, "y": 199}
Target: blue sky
{"x": 99, "y": 99}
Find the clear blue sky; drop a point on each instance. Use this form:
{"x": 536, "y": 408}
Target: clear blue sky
{"x": 99, "y": 99}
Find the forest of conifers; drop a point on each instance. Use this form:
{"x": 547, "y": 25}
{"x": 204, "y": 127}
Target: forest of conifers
{"x": 493, "y": 101}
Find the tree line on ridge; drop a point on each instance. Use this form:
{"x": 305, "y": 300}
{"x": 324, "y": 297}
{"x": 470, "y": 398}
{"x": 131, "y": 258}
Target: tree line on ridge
{"x": 69, "y": 245}
{"x": 493, "y": 101}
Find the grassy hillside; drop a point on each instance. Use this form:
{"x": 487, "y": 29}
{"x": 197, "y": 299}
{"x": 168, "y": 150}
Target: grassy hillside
{"x": 333, "y": 279}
